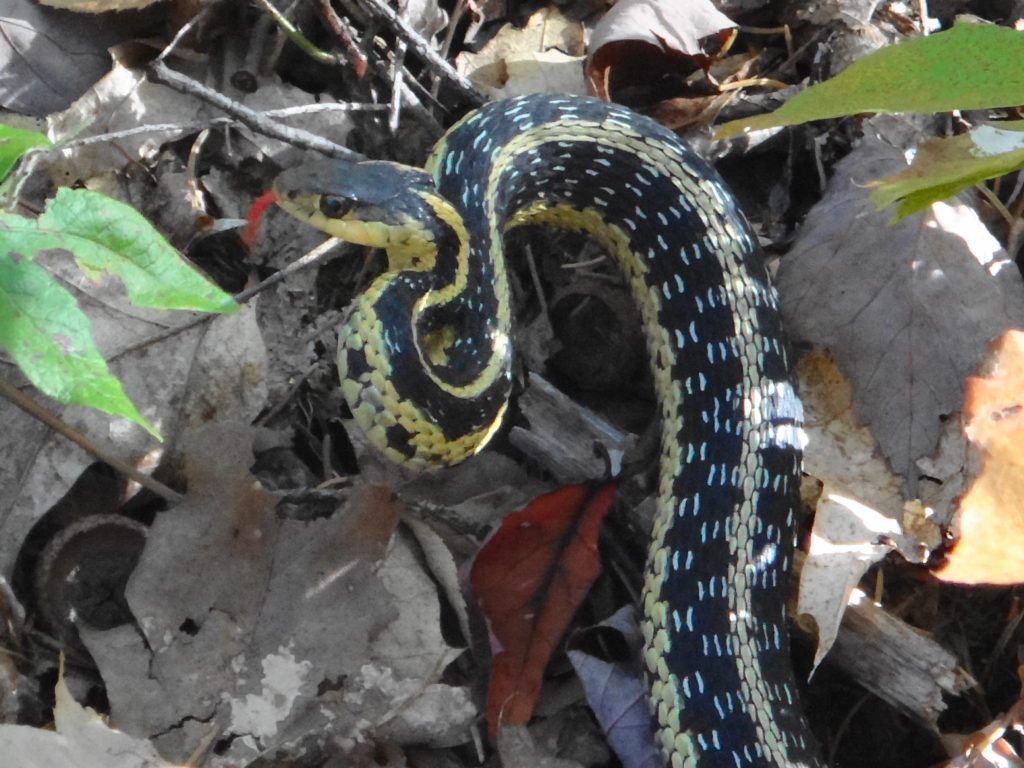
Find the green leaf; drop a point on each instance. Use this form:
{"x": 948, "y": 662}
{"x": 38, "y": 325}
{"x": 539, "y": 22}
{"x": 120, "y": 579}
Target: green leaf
{"x": 14, "y": 142}
{"x": 49, "y": 338}
{"x": 943, "y": 167}
{"x": 971, "y": 66}
{"x": 106, "y": 235}
{"x": 40, "y": 323}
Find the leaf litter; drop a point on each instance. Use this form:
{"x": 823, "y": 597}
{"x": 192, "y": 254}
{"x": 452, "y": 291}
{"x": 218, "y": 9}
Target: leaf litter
{"x": 219, "y": 656}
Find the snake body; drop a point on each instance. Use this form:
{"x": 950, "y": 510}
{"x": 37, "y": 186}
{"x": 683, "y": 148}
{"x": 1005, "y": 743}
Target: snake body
{"x": 425, "y": 358}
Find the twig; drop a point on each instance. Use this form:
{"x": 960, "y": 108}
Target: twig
{"x": 299, "y": 39}
{"x": 35, "y": 410}
{"x": 995, "y": 202}
{"x": 310, "y": 258}
{"x": 397, "y": 70}
{"x": 346, "y": 36}
{"x": 162, "y": 74}
{"x": 196, "y": 125}
{"x": 413, "y": 103}
{"x": 422, "y": 48}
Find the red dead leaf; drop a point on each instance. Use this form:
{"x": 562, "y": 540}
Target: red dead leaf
{"x": 990, "y": 520}
{"x": 529, "y": 578}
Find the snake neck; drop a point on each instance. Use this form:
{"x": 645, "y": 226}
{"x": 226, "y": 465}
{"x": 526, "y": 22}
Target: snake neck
{"x": 442, "y": 402}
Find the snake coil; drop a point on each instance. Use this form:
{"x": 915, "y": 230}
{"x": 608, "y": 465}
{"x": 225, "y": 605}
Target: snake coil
{"x": 425, "y": 358}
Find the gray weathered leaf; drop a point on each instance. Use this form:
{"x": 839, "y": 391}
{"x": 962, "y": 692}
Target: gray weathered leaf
{"x": 906, "y": 309}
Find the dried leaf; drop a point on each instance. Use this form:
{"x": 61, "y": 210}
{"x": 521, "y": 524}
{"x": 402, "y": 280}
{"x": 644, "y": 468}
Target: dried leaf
{"x": 542, "y": 57}
{"x": 49, "y": 57}
{"x": 618, "y": 696}
{"x": 529, "y": 578}
{"x": 677, "y": 27}
{"x": 990, "y": 519}
{"x": 637, "y": 34}
{"x": 848, "y": 537}
{"x": 274, "y": 624}
{"x": 81, "y": 739}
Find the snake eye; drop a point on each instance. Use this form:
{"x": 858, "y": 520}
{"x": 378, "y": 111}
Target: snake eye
{"x": 334, "y": 207}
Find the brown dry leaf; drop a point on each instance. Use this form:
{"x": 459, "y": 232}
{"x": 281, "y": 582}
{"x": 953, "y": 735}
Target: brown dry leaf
{"x": 50, "y": 57}
{"x": 271, "y": 627}
{"x": 905, "y": 309}
{"x": 631, "y": 26}
{"x": 848, "y": 537}
{"x": 545, "y": 56}
{"x": 990, "y": 518}
{"x": 518, "y": 749}
{"x": 841, "y": 451}
{"x": 675, "y": 27}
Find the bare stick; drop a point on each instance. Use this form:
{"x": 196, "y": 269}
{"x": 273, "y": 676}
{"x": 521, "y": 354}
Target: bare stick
{"x": 307, "y": 260}
{"x": 35, "y": 410}
{"x": 161, "y": 73}
{"x": 439, "y": 65}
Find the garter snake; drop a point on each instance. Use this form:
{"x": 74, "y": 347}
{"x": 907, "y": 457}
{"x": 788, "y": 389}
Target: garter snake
{"x": 425, "y": 357}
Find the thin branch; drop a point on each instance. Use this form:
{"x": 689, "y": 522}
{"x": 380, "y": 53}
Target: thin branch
{"x": 299, "y": 39}
{"x": 437, "y": 64}
{"x": 309, "y": 259}
{"x": 54, "y": 422}
{"x": 164, "y": 75}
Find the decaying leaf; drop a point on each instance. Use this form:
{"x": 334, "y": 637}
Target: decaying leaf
{"x": 260, "y": 628}
{"x": 617, "y": 694}
{"x": 529, "y": 578}
{"x": 81, "y": 739}
{"x": 50, "y": 57}
{"x": 677, "y": 27}
{"x": 841, "y": 451}
{"x": 634, "y": 31}
{"x": 859, "y": 512}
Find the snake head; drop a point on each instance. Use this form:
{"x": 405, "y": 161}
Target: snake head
{"x": 369, "y": 203}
